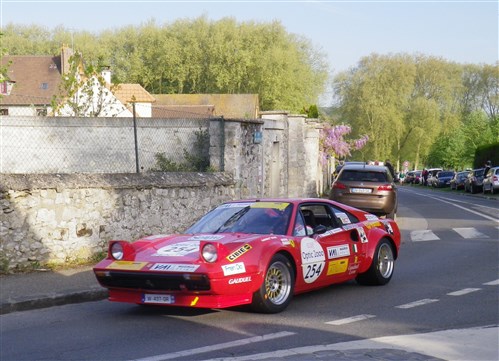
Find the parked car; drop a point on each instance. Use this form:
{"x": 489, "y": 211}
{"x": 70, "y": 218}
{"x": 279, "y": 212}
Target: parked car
{"x": 442, "y": 179}
{"x": 367, "y": 187}
{"x": 457, "y": 182}
{"x": 253, "y": 252}
{"x": 409, "y": 177}
{"x": 417, "y": 177}
{"x": 491, "y": 180}
{"x": 474, "y": 181}
{"x": 432, "y": 172}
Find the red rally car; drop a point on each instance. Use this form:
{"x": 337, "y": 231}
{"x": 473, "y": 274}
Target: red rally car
{"x": 257, "y": 252}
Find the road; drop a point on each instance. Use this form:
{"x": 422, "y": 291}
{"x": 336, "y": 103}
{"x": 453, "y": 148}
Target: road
{"x": 446, "y": 280}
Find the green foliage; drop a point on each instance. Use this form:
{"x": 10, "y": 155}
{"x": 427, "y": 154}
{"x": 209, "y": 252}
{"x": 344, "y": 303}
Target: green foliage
{"x": 420, "y": 108}
{"x": 197, "y": 161}
{"x": 196, "y": 56}
{"x": 487, "y": 152}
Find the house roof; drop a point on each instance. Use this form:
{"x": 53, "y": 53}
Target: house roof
{"x": 36, "y": 78}
{"x": 127, "y": 93}
{"x": 183, "y": 111}
{"x": 237, "y": 106}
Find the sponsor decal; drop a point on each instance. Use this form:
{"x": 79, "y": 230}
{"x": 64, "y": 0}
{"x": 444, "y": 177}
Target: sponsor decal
{"x": 337, "y": 266}
{"x": 362, "y": 235}
{"x": 312, "y": 259}
{"x": 350, "y": 226}
{"x": 343, "y": 218}
{"x": 354, "y": 248}
{"x": 352, "y": 269}
{"x": 389, "y": 228}
{"x": 206, "y": 237}
{"x": 268, "y": 238}
{"x": 174, "y": 267}
{"x": 338, "y": 251}
{"x": 288, "y": 242}
{"x": 371, "y": 217}
{"x": 235, "y": 281}
{"x": 157, "y": 236}
{"x": 127, "y": 265}
{"x": 373, "y": 224}
{"x": 330, "y": 232}
{"x": 239, "y": 252}
{"x": 233, "y": 269}
{"x": 275, "y": 205}
{"x": 178, "y": 249}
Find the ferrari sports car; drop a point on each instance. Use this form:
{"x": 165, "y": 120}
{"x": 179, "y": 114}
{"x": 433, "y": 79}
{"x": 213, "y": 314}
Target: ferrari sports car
{"x": 257, "y": 252}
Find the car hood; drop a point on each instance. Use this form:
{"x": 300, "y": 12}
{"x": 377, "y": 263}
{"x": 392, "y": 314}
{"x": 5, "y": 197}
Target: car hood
{"x": 185, "y": 248}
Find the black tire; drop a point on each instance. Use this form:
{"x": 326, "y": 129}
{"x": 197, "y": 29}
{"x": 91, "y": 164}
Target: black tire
{"x": 277, "y": 287}
{"x": 381, "y": 270}
{"x": 472, "y": 190}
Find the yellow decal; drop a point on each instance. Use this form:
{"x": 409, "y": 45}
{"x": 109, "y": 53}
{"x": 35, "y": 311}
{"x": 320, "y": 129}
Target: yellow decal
{"x": 276, "y": 205}
{"x": 239, "y": 252}
{"x": 127, "y": 265}
{"x": 372, "y": 225}
{"x": 337, "y": 266}
{"x": 194, "y": 301}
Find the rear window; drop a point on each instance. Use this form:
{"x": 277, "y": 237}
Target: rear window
{"x": 362, "y": 176}
{"x": 446, "y": 174}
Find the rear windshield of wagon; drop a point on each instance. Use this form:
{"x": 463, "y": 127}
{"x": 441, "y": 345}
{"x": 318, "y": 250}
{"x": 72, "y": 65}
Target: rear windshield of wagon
{"x": 363, "y": 176}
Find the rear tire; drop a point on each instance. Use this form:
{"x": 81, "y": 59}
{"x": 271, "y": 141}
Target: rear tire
{"x": 277, "y": 287}
{"x": 381, "y": 270}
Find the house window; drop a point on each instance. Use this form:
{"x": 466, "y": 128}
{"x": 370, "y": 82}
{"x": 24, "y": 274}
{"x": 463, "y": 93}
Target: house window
{"x": 4, "y": 111}
{"x": 3, "y": 88}
{"x": 44, "y": 86}
{"x": 41, "y": 112}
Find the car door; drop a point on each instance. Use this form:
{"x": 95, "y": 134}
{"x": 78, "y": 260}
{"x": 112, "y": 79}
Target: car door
{"x": 330, "y": 254}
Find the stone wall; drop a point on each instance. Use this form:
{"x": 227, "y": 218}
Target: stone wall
{"x": 55, "y": 219}
{"x": 58, "y": 218}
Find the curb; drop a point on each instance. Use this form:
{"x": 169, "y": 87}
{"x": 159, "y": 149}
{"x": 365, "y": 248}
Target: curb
{"x": 52, "y": 300}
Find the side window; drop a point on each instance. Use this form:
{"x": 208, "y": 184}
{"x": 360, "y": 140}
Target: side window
{"x": 300, "y": 228}
{"x": 343, "y": 217}
{"x": 318, "y": 215}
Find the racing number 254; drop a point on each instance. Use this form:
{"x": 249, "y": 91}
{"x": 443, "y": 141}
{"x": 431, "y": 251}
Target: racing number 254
{"x": 313, "y": 270}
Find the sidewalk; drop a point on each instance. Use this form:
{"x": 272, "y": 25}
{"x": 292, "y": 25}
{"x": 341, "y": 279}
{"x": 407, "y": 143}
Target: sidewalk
{"x": 20, "y": 292}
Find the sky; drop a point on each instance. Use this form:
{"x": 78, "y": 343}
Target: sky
{"x": 346, "y": 31}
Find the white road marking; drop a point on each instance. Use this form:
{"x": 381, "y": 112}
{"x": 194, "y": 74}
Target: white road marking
{"x": 423, "y": 235}
{"x": 469, "y": 232}
{"x": 460, "y": 344}
{"x": 492, "y": 283}
{"x": 344, "y": 321}
{"x": 220, "y": 346}
{"x": 464, "y": 291}
{"x": 453, "y": 201}
{"x": 418, "y": 303}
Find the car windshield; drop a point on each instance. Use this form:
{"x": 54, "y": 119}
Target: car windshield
{"x": 445, "y": 174}
{"x": 251, "y": 217}
{"x": 362, "y": 176}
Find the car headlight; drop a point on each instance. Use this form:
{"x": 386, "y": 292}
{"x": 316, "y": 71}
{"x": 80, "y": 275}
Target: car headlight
{"x": 209, "y": 253}
{"x": 117, "y": 251}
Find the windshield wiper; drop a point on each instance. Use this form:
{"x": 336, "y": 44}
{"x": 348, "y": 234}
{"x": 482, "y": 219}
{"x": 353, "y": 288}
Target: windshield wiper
{"x": 234, "y": 218}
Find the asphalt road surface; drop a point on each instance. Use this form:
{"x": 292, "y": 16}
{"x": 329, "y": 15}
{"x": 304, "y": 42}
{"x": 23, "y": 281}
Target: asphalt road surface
{"x": 446, "y": 281}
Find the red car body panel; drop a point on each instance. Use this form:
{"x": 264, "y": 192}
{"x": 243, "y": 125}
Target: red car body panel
{"x": 170, "y": 270}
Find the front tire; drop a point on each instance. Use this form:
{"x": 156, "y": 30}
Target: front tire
{"x": 381, "y": 270}
{"x": 277, "y": 287}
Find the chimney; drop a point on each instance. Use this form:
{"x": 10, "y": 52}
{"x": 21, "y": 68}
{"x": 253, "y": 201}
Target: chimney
{"x": 106, "y": 74}
{"x": 66, "y": 53}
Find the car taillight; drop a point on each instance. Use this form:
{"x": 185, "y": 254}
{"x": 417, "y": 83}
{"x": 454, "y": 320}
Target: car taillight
{"x": 495, "y": 178}
{"x": 385, "y": 187}
{"x": 339, "y": 185}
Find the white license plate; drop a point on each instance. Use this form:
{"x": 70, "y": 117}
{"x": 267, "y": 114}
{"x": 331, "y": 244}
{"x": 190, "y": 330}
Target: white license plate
{"x": 361, "y": 190}
{"x": 164, "y": 299}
